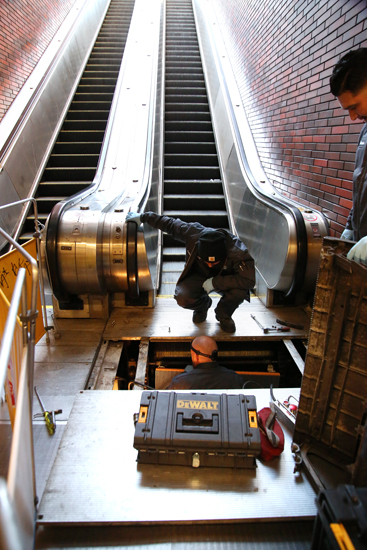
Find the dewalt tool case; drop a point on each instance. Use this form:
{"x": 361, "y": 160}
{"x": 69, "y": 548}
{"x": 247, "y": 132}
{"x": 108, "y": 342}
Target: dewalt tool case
{"x": 197, "y": 429}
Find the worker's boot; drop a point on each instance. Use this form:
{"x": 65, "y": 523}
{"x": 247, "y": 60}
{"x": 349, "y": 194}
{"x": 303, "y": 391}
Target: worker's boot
{"x": 200, "y": 316}
{"x": 227, "y": 324}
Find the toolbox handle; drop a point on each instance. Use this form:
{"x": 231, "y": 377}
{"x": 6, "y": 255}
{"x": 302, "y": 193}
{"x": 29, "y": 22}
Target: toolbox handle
{"x": 196, "y": 424}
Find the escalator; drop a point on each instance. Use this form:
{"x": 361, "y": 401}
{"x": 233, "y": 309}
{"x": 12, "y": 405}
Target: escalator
{"x": 95, "y": 252}
{"x": 192, "y": 182}
{"x": 74, "y": 157}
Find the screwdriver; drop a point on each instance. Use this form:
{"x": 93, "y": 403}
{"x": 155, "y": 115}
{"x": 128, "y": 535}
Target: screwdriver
{"x": 49, "y": 416}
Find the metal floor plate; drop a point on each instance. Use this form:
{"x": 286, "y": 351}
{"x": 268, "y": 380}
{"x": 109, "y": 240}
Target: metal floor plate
{"x": 290, "y": 535}
{"x": 105, "y": 484}
{"x": 168, "y": 321}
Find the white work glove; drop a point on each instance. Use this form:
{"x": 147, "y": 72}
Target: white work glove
{"x": 347, "y": 235}
{"x": 133, "y": 217}
{"x": 208, "y": 285}
{"x": 359, "y": 252}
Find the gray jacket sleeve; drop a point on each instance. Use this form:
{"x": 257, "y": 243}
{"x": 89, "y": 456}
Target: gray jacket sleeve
{"x": 182, "y": 231}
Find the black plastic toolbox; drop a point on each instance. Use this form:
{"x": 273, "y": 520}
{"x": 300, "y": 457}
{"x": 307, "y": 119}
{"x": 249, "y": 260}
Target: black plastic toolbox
{"x": 197, "y": 429}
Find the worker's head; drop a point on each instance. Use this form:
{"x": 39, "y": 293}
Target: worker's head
{"x": 203, "y": 350}
{"x": 348, "y": 83}
{"x": 212, "y": 247}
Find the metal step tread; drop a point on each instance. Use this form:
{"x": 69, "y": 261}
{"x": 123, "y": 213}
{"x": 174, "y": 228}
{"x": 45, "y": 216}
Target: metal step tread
{"x": 205, "y": 213}
{"x": 196, "y": 196}
{"x": 174, "y": 250}
{"x": 198, "y": 181}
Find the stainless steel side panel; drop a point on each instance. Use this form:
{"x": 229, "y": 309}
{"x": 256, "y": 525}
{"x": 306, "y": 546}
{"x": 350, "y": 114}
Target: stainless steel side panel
{"x": 30, "y": 126}
{"x": 263, "y": 219}
{"x": 275, "y": 250}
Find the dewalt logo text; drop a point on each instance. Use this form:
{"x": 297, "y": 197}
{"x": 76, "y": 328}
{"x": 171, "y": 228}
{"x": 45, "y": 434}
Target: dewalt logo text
{"x": 190, "y": 404}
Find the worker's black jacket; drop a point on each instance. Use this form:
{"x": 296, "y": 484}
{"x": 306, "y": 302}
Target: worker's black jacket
{"x": 207, "y": 376}
{"x": 238, "y": 270}
{"x": 357, "y": 219}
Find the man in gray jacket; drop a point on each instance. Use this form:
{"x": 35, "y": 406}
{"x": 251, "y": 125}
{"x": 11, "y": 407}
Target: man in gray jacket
{"x": 206, "y": 373}
{"x": 216, "y": 261}
{"x": 348, "y": 83}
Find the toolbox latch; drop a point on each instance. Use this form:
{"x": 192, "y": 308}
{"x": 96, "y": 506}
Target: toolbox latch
{"x": 197, "y": 422}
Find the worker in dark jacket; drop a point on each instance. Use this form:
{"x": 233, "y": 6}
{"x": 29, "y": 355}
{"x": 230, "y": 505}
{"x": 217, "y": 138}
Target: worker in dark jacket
{"x": 216, "y": 261}
{"x": 207, "y": 373}
{"x": 348, "y": 83}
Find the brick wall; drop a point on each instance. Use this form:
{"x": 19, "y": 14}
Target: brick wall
{"x": 26, "y": 29}
{"x": 282, "y": 52}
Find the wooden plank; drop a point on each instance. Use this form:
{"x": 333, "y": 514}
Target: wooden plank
{"x": 295, "y": 355}
{"x": 109, "y": 368}
{"x": 141, "y": 367}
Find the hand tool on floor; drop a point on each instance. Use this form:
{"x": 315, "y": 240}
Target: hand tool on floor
{"x": 272, "y": 328}
{"x": 49, "y": 415}
{"x": 289, "y": 324}
{"x": 285, "y": 416}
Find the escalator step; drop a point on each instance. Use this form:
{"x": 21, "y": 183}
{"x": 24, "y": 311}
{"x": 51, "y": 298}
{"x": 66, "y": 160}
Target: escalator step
{"x": 174, "y": 254}
{"x": 194, "y": 202}
{"x": 55, "y": 188}
{"x": 178, "y": 117}
{"x": 173, "y": 101}
{"x": 84, "y": 125}
{"x": 71, "y": 161}
{"x": 186, "y": 126}
{"x": 206, "y": 218}
{"x": 88, "y": 114}
{"x": 97, "y": 82}
{"x": 99, "y": 105}
{"x": 95, "y": 88}
{"x": 96, "y": 99}
{"x": 198, "y": 136}
{"x": 76, "y": 148}
{"x": 175, "y": 159}
{"x": 70, "y": 174}
{"x": 193, "y": 186}
{"x": 45, "y": 205}
{"x": 81, "y": 136}
{"x": 194, "y": 172}
{"x": 175, "y": 267}
{"x": 187, "y": 147}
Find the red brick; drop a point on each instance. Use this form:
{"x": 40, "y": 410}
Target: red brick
{"x": 341, "y": 192}
{"x": 346, "y": 203}
{"x": 334, "y": 182}
{"x": 321, "y": 162}
{"x": 23, "y": 40}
